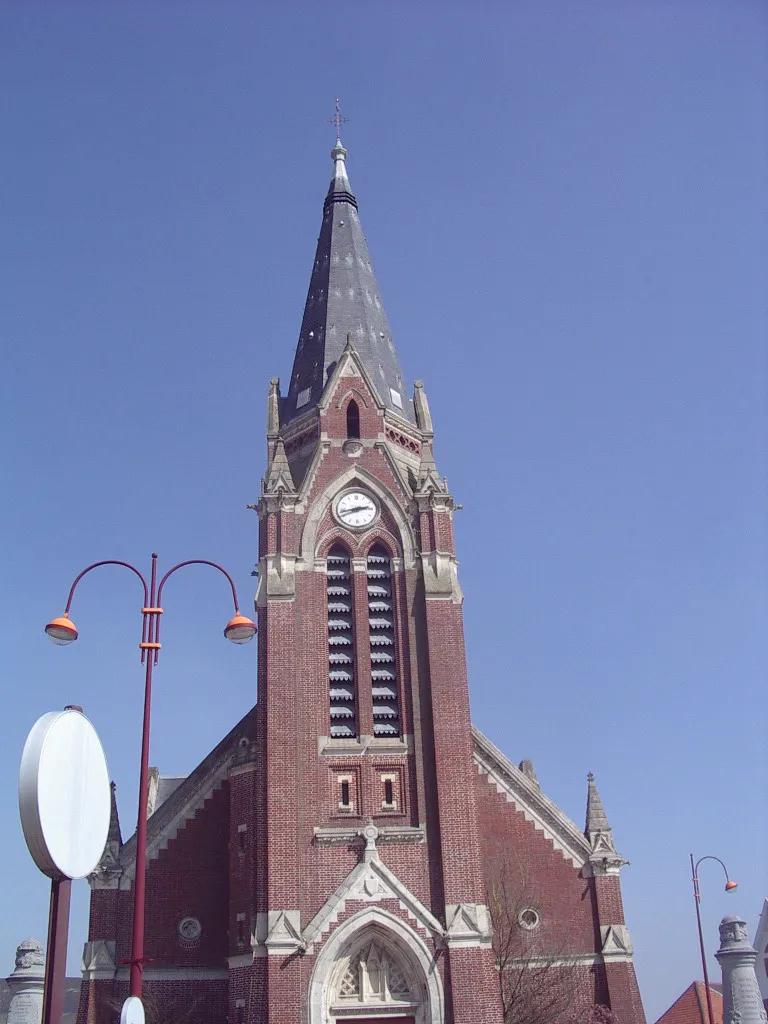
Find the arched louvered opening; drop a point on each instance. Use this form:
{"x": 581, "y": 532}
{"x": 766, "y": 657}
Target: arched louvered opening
{"x": 341, "y": 649}
{"x": 381, "y": 620}
{"x": 353, "y": 420}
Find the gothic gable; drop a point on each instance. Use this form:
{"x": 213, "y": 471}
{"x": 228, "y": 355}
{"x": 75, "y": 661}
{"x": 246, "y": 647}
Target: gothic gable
{"x": 187, "y": 799}
{"x": 518, "y": 789}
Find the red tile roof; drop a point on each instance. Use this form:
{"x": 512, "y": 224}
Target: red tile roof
{"x": 691, "y": 1006}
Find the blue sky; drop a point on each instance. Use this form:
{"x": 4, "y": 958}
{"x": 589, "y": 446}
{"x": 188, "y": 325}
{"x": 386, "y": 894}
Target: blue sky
{"x": 565, "y": 205}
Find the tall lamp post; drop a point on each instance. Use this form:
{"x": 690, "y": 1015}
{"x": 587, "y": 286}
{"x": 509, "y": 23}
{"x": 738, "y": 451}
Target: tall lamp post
{"x": 730, "y": 885}
{"x": 62, "y": 631}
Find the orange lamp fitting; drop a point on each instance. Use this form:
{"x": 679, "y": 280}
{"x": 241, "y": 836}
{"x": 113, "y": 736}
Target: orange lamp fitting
{"x": 62, "y": 631}
{"x": 240, "y": 629}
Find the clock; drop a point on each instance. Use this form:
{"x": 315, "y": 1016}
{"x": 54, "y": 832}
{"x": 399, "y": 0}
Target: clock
{"x": 356, "y": 509}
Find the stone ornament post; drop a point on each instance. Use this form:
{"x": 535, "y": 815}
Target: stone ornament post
{"x": 742, "y": 1002}
{"x": 26, "y": 984}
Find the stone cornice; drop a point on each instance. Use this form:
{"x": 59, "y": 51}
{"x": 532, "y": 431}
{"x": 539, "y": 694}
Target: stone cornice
{"x": 344, "y": 835}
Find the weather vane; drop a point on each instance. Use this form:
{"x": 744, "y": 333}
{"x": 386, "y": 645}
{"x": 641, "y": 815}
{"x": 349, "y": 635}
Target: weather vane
{"x": 338, "y": 120}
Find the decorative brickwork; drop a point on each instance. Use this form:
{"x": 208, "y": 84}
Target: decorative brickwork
{"x": 338, "y": 855}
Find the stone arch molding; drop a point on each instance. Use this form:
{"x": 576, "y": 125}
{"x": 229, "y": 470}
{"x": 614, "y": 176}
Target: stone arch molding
{"x": 355, "y": 474}
{"x": 375, "y": 935}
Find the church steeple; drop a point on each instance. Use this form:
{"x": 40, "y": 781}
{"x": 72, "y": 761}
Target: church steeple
{"x": 343, "y": 298}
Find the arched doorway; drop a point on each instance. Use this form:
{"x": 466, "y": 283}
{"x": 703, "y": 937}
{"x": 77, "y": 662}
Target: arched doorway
{"x": 375, "y": 969}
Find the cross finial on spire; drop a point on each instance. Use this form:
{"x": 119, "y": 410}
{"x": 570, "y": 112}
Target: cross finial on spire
{"x": 338, "y": 119}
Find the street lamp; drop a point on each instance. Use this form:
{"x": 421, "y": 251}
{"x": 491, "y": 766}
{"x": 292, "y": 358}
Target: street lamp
{"x": 62, "y": 632}
{"x": 729, "y": 887}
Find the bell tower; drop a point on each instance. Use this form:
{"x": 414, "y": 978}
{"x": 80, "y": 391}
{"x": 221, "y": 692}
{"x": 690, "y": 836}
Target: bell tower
{"x": 366, "y": 894}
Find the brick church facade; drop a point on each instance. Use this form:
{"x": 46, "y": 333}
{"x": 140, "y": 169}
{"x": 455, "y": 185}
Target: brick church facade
{"x": 353, "y": 850}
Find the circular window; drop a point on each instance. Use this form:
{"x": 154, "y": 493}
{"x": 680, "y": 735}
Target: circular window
{"x": 189, "y": 931}
{"x": 528, "y": 918}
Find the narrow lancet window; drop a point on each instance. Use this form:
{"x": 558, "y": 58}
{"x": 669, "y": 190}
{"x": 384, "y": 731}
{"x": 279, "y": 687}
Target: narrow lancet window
{"x": 353, "y": 420}
{"x": 341, "y": 650}
{"x": 386, "y": 718}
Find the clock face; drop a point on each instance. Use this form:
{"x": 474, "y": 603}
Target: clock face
{"x": 356, "y": 509}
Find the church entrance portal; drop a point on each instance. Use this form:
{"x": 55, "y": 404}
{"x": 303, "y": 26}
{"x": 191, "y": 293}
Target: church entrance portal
{"x": 375, "y": 969}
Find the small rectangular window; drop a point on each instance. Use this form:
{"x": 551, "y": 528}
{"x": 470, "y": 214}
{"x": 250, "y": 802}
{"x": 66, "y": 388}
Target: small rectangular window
{"x": 389, "y": 796}
{"x": 345, "y": 794}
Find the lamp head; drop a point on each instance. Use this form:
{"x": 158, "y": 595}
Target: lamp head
{"x": 240, "y": 629}
{"x": 61, "y": 631}
{"x": 730, "y": 885}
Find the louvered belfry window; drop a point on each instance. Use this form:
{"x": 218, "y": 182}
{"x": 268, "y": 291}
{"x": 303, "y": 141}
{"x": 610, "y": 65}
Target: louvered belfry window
{"x": 341, "y": 647}
{"x": 381, "y": 619}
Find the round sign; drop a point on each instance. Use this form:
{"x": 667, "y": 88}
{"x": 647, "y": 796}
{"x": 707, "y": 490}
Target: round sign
{"x": 132, "y": 1011}
{"x": 64, "y": 795}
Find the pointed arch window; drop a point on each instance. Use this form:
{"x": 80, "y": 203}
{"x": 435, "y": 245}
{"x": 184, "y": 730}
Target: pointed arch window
{"x": 373, "y": 976}
{"x": 353, "y": 420}
{"x": 381, "y": 623}
{"x": 341, "y": 644}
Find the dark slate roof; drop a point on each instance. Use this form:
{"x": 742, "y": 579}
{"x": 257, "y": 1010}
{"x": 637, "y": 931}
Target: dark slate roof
{"x": 343, "y": 298}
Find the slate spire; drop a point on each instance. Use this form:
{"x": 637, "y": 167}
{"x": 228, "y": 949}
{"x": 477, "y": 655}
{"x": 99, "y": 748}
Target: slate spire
{"x": 604, "y": 857}
{"x": 343, "y": 298}
{"x": 597, "y": 819}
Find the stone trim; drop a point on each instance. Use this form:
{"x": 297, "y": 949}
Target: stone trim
{"x": 98, "y": 962}
{"x": 407, "y": 940}
{"x": 469, "y": 925}
{"x": 331, "y": 747}
{"x": 370, "y": 881}
{"x": 241, "y": 960}
{"x": 278, "y": 933}
{"x": 341, "y": 836}
{"x": 571, "y": 960}
{"x": 616, "y": 944}
{"x": 353, "y": 475}
{"x": 527, "y": 798}
{"x": 177, "y": 974}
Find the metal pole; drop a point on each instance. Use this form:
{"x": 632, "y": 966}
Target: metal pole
{"x": 56, "y": 954}
{"x": 149, "y": 651}
{"x": 697, "y": 898}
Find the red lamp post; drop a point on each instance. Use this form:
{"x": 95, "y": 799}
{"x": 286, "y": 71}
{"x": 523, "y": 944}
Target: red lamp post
{"x": 730, "y": 885}
{"x": 240, "y": 629}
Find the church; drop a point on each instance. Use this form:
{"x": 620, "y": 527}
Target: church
{"x": 354, "y": 850}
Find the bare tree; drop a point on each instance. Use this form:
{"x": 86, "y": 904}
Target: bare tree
{"x": 535, "y": 964}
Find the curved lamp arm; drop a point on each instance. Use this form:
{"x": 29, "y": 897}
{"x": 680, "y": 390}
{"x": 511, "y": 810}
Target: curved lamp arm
{"x": 108, "y": 561}
{"x": 239, "y": 629}
{"x": 199, "y": 561}
{"x": 62, "y": 630}
{"x": 729, "y": 884}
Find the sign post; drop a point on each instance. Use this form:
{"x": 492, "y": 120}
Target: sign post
{"x": 64, "y": 805}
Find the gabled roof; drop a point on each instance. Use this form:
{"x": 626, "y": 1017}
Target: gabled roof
{"x": 691, "y": 1006}
{"x": 189, "y": 796}
{"x": 522, "y": 791}
{"x": 343, "y": 299}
